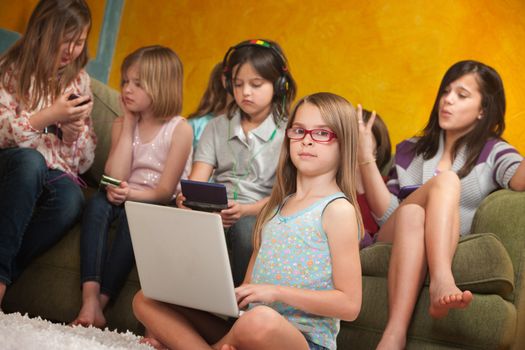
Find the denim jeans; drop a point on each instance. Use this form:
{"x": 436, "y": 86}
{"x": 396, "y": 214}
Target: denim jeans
{"x": 37, "y": 207}
{"x": 109, "y": 267}
{"x": 240, "y": 244}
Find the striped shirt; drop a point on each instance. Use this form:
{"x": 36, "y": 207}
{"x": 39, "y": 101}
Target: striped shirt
{"x": 494, "y": 168}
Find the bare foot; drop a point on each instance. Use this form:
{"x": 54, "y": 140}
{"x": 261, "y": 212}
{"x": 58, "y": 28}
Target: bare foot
{"x": 90, "y": 315}
{"x": 443, "y": 298}
{"x": 154, "y": 343}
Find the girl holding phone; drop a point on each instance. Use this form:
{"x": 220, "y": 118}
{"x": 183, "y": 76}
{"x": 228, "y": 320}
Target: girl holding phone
{"x": 45, "y": 139}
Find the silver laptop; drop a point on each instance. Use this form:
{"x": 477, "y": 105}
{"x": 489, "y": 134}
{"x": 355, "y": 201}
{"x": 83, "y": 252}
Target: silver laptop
{"x": 182, "y": 258}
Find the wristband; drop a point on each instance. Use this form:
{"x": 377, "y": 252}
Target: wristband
{"x": 368, "y": 161}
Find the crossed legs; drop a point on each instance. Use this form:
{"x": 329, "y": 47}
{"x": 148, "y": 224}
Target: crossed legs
{"x": 181, "y": 328}
{"x": 424, "y": 232}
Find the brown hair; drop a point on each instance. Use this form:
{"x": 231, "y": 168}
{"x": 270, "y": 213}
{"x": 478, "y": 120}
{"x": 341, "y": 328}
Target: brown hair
{"x": 491, "y": 125}
{"x": 383, "y": 145}
{"x": 340, "y": 116}
{"x": 160, "y": 74}
{"x": 269, "y": 65}
{"x": 215, "y": 97}
{"x": 33, "y": 60}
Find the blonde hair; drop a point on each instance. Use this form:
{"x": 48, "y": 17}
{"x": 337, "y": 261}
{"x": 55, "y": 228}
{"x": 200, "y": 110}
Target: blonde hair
{"x": 34, "y": 59}
{"x": 340, "y": 116}
{"x": 160, "y": 74}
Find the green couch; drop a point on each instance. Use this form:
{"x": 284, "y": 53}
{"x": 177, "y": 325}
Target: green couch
{"x": 490, "y": 263}
{"x": 50, "y": 286}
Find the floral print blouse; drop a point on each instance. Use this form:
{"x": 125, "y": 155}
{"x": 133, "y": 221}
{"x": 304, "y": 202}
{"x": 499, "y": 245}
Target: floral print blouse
{"x": 16, "y": 130}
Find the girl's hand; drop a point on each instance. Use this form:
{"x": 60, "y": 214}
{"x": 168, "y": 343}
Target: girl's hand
{"x": 231, "y": 215}
{"x": 127, "y": 115}
{"x": 179, "y": 199}
{"x": 252, "y": 293}
{"x": 65, "y": 111}
{"x": 71, "y": 130}
{"x": 117, "y": 195}
{"x": 366, "y": 146}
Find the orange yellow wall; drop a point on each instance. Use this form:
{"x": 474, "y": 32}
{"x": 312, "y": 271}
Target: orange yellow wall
{"x": 387, "y": 55}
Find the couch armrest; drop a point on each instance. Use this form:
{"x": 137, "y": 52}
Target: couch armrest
{"x": 106, "y": 108}
{"x": 503, "y": 213}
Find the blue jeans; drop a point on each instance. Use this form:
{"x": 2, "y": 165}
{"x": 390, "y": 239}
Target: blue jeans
{"x": 109, "y": 267}
{"x": 37, "y": 207}
{"x": 240, "y": 243}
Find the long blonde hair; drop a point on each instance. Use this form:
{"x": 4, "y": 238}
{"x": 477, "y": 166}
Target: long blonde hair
{"x": 33, "y": 61}
{"x": 340, "y": 116}
{"x": 160, "y": 74}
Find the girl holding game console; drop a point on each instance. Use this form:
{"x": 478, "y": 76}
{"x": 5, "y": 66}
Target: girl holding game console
{"x": 238, "y": 149}
{"x": 305, "y": 273}
{"x": 46, "y": 137}
{"x": 457, "y": 162}
{"x": 150, "y": 152}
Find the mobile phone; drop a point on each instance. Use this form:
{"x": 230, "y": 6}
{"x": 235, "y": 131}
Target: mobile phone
{"x": 405, "y": 191}
{"x": 53, "y": 129}
{"x": 74, "y": 97}
{"x": 109, "y": 181}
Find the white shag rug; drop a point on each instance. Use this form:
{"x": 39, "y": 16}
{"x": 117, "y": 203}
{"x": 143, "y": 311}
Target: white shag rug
{"x": 19, "y": 332}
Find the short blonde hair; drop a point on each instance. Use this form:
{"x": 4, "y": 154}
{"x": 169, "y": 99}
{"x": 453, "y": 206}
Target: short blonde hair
{"x": 160, "y": 74}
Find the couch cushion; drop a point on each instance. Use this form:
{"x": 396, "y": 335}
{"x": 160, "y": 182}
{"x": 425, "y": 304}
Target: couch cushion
{"x": 488, "y": 323}
{"x": 481, "y": 264}
{"x": 106, "y": 108}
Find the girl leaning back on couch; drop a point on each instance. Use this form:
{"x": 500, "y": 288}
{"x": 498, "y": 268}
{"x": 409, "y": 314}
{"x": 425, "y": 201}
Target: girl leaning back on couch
{"x": 457, "y": 162}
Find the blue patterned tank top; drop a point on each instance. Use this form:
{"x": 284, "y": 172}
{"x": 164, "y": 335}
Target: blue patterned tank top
{"x": 294, "y": 252}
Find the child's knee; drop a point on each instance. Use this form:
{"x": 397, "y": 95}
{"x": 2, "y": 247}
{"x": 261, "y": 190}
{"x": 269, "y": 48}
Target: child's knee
{"x": 138, "y": 303}
{"x": 257, "y": 325}
{"x": 412, "y": 213}
{"x": 448, "y": 179}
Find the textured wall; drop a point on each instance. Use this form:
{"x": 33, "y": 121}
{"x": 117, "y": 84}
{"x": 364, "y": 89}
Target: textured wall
{"x": 387, "y": 55}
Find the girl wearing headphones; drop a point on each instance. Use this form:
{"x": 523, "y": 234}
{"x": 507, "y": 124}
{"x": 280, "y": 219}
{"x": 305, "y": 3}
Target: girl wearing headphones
{"x": 239, "y": 149}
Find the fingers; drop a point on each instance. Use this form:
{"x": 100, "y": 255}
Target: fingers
{"x": 118, "y": 194}
{"x": 229, "y": 211}
{"x": 242, "y": 293}
{"x": 360, "y": 120}
{"x": 371, "y": 120}
{"x": 179, "y": 200}
{"x": 229, "y": 218}
{"x": 228, "y": 221}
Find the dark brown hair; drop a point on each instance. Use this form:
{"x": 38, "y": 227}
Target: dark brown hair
{"x": 491, "y": 125}
{"x": 383, "y": 145}
{"x": 270, "y": 66}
